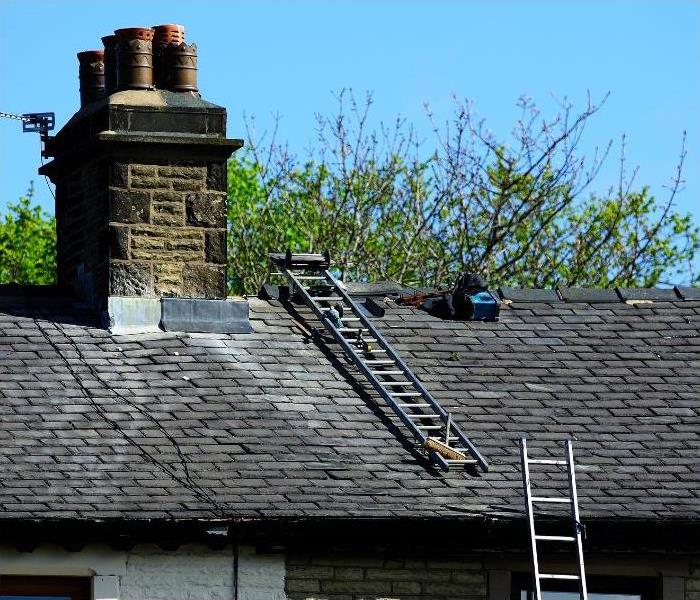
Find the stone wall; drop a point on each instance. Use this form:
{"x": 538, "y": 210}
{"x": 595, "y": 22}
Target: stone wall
{"x": 373, "y": 577}
{"x": 141, "y": 196}
{"x": 143, "y": 229}
{"x": 148, "y": 572}
{"x": 167, "y": 229}
{"x": 81, "y": 205}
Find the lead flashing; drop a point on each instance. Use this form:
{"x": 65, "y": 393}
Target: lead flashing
{"x": 126, "y": 314}
{"x": 197, "y": 315}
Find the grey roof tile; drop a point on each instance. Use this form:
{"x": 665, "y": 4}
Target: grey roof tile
{"x": 688, "y": 293}
{"x": 528, "y": 294}
{"x": 653, "y": 294}
{"x": 270, "y": 424}
{"x": 588, "y": 295}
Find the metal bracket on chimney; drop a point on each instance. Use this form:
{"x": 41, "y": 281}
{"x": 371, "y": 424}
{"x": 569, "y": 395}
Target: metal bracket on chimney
{"x": 41, "y": 122}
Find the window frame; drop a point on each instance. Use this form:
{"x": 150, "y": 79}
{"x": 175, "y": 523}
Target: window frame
{"x": 75, "y": 588}
{"x": 649, "y": 588}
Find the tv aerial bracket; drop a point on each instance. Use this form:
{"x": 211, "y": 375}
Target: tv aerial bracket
{"x": 40, "y": 123}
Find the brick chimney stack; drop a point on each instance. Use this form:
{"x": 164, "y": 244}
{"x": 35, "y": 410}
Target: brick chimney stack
{"x": 141, "y": 182}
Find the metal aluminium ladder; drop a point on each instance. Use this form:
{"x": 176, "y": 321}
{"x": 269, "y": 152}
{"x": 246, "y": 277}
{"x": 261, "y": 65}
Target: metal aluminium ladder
{"x": 308, "y": 276}
{"x": 577, "y": 527}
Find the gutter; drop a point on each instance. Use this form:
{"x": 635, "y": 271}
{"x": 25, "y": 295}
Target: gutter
{"x": 473, "y": 533}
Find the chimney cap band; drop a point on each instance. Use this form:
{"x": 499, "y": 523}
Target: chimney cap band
{"x": 91, "y": 55}
{"x": 134, "y": 33}
{"x": 169, "y": 32}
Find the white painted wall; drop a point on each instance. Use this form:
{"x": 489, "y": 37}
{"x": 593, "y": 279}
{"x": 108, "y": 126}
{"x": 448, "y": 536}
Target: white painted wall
{"x": 260, "y": 576}
{"x": 149, "y": 573}
{"x": 189, "y": 573}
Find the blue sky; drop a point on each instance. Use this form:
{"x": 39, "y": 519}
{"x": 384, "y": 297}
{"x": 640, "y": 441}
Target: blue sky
{"x": 264, "y": 57}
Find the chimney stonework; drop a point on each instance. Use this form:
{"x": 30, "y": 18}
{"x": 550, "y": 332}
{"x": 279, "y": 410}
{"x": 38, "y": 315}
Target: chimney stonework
{"x": 141, "y": 197}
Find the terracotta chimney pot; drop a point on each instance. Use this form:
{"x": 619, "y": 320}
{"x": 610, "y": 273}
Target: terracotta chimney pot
{"x": 163, "y": 36}
{"x": 110, "y": 60}
{"x": 181, "y": 67}
{"x": 134, "y": 58}
{"x": 91, "y": 73}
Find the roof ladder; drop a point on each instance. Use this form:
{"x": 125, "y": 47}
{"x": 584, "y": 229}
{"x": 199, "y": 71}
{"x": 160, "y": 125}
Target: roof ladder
{"x": 431, "y": 425}
{"x": 578, "y": 528}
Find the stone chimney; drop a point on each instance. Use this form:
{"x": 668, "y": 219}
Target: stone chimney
{"x": 140, "y": 179}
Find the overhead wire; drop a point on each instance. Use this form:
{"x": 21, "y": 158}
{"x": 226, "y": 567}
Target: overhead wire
{"x": 186, "y": 479}
{"x": 6, "y": 115}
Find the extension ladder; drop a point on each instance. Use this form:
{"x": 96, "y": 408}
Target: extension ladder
{"x": 572, "y": 501}
{"x": 309, "y": 277}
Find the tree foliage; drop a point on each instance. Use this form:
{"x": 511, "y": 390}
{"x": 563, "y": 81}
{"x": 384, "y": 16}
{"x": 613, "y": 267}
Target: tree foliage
{"x": 518, "y": 211}
{"x": 27, "y": 243}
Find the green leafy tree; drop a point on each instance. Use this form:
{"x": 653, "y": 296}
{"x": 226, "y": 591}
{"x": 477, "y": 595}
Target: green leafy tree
{"x": 519, "y": 212}
{"x": 27, "y": 243}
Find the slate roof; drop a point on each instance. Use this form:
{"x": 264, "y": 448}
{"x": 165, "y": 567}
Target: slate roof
{"x": 163, "y": 425}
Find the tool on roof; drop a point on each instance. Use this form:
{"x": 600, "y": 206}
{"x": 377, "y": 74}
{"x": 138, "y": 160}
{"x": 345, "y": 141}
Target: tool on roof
{"x": 572, "y": 502}
{"x": 467, "y": 300}
{"x": 430, "y": 424}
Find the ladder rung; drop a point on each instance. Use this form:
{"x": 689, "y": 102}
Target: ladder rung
{"x": 465, "y": 461}
{"x": 374, "y": 357}
{"x": 545, "y": 461}
{"x": 550, "y": 499}
{"x": 556, "y": 576}
{"x": 555, "y": 538}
